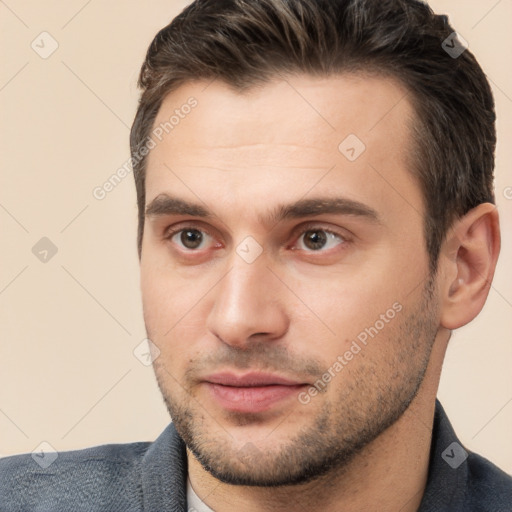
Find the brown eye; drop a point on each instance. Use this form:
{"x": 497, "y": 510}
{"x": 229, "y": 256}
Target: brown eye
{"x": 318, "y": 239}
{"x": 191, "y": 238}
{"x": 315, "y": 239}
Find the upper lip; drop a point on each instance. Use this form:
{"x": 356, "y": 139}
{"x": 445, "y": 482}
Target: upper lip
{"x": 250, "y": 379}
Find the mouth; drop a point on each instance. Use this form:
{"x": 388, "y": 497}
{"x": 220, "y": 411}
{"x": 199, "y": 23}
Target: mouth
{"x": 252, "y": 392}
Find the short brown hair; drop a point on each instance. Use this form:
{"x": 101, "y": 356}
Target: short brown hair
{"x": 249, "y": 42}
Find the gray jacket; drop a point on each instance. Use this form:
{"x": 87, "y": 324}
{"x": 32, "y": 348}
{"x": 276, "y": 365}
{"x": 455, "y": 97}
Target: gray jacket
{"x": 152, "y": 477}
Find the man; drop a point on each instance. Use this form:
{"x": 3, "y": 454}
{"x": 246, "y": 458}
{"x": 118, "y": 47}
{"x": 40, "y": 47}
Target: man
{"x": 316, "y": 216}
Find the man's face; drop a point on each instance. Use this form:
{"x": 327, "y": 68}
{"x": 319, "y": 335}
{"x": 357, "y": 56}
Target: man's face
{"x": 273, "y": 252}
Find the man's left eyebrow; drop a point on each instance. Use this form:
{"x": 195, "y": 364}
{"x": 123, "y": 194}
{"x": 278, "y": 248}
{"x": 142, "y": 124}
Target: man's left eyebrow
{"x": 319, "y": 206}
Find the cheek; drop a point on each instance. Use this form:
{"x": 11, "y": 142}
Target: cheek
{"x": 350, "y": 300}
{"x": 164, "y": 294}
{"x": 174, "y": 308}
{"x": 363, "y": 310}
{"x": 155, "y": 298}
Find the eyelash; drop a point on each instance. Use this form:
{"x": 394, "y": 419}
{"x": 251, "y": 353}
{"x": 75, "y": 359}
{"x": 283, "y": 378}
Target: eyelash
{"x": 170, "y": 233}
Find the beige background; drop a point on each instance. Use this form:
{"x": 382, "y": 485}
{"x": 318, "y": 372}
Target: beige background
{"x": 68, "y": 375}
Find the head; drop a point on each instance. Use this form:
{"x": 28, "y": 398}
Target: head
{"x": 264, "y": 247}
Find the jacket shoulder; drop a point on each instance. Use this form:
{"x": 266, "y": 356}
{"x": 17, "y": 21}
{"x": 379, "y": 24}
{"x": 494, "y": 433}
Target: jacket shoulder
{"x": 105, "y": 477}
{"x": 488, "y": 487}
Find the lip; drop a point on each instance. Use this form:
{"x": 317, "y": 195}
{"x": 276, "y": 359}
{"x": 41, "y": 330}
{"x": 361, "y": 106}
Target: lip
{"x": 252, "y": 392}
{"x": 251, "y": 379}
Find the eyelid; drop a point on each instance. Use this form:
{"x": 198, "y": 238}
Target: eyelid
{"x": 312, "y": 226}
{"x": 170, "y": 231}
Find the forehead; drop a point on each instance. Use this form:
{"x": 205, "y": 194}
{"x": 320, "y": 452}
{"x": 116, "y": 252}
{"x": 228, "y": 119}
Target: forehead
{"x": 309, "y": 107}
{"x": 291, "y": 131}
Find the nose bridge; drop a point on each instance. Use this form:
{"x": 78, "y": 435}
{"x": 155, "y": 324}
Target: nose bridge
{"x": 247, "y": 302}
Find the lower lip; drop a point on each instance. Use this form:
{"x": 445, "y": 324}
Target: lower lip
{"x": 251, "y": 399}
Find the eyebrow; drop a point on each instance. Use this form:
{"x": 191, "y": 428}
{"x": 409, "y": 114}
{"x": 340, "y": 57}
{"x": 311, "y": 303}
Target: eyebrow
{"x": 164, "y": 204}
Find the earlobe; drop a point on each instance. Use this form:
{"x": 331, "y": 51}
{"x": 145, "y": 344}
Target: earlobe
{"x": 468, "y": 257}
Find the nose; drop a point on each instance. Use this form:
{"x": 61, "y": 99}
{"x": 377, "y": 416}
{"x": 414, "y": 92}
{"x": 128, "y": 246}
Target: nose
{"x": 248, "y": 305}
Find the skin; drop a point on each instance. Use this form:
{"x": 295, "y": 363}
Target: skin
{"x": 363, "y": 442}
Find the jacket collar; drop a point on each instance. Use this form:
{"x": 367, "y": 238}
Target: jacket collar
{"x": 164, "y": 471}
{"x": 448, "y": 468}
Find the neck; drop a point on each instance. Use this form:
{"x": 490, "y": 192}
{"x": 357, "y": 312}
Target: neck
{"x": 389, "y": 474}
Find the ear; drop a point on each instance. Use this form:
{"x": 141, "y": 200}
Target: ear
{"x": 468, "y": 259}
